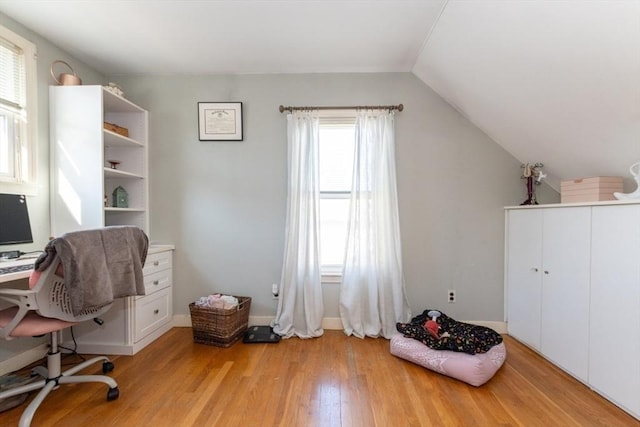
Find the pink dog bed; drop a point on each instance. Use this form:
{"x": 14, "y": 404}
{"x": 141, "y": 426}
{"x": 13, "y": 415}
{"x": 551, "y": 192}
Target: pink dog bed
{"x": 474, "y": 369}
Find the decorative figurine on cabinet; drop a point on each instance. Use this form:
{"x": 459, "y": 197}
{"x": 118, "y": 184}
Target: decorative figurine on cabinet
{"x": 534, "y": 176}
{"x": 120, "y": 198}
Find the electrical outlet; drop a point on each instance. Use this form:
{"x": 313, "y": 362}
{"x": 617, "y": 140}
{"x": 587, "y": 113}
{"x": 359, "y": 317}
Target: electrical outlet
{"x": 274, "y": 290}
{"x": 451, "y": 296}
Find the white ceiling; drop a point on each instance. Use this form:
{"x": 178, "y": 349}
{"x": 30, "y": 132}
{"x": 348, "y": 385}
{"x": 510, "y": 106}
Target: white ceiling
{"x": 551, "y": 81}
{"x": 233, "y": 36}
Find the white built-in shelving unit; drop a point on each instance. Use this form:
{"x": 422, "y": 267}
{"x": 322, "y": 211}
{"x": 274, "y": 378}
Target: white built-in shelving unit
{"x": 82, "y": 183}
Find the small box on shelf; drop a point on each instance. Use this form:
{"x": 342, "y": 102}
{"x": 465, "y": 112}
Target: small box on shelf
{"x": 591, "y": 189}
{"x": 117, "y": 129}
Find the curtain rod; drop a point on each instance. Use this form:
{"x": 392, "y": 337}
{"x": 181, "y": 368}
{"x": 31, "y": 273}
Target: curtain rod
{"x": 398, "y": 107}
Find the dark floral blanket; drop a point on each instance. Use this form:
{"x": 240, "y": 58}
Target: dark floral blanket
{"x": 453, "y": 335}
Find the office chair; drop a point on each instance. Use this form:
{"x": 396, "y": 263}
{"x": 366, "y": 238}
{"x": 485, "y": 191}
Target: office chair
{"x": 46, "y": 309}
{"x": 100, "y": 265}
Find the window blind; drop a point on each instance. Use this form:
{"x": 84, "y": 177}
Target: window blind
{"x": 12, "y": 77}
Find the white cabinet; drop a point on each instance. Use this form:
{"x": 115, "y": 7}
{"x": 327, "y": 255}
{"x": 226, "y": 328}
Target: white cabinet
{"x": 614, "y": 344}
{"x": 548, "y": 259}
{"x": 523, "y": 276}
{"x": 82, "y": 179}
{"x": 132, "y": 323}
{"x": 574, "y": 272}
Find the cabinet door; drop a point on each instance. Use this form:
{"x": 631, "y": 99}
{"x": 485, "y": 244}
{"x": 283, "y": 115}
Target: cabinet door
{"x": 524, "y": 263}
{"x": 614, "y": 353}
{"x": 566, "y": 250}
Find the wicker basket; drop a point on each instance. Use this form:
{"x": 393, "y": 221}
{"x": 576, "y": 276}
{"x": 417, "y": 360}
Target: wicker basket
{"x": 221, "y": 327}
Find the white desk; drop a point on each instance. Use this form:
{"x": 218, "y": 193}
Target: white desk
{"x": 19, "y": 274}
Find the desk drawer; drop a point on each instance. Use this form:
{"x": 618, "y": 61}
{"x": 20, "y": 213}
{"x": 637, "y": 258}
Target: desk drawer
{"x": 157, "y": 262}
{"x": 152, "y": 311}
{"x": 156, "y": 281}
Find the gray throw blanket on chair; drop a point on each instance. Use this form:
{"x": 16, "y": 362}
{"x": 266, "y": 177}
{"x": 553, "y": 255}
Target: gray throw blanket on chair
{"x": 99, "y": 265}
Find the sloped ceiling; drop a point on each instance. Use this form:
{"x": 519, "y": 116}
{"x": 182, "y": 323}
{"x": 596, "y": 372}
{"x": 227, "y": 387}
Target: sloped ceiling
{"x": 555, "y": 82}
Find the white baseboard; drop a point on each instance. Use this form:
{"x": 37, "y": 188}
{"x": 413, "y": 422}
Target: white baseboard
{"x": 23, "y": 359}
{"x": 184, "y": 320}
{"x": 328, "y": 323}
{"x": 181, "y": 321}
{"x": 499, "y": 327}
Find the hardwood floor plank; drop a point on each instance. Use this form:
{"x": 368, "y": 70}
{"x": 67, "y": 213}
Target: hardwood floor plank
{"x": 331, "y": 381}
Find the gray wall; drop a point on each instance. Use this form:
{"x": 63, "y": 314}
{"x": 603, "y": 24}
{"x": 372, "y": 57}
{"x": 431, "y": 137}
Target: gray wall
{"x": 223, "y": 203}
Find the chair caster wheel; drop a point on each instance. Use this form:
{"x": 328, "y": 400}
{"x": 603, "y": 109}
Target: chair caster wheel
{"x": 113, "y": 394}
{"x": 107, "y": 367}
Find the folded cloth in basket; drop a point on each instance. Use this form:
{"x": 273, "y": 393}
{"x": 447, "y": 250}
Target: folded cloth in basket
{"x": 99, "y": 265}
{"x": 218, "y": 301}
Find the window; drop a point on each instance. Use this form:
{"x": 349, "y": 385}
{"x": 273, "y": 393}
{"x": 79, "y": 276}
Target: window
{"x": 337, "y": 140}
{"x": 17, "y": 111}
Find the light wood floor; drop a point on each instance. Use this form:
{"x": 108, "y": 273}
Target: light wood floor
{"x": 329, "y": 381}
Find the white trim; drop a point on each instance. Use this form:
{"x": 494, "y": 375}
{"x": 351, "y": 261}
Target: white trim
{"x": 499, "y": 327}
{"x": 332, "y": 324}
{"x": 181, "y": 321}
{"x": 328, "y": 323}
{"x": 331, "y": 274}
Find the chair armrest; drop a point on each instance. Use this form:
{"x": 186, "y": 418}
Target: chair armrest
{"x": 16, "y": 292}
{"x": 11, "y": 323}
{"x": 24, "y": 299}
{"x": 20, "y": 297}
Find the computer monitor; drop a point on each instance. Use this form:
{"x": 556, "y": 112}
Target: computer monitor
{"x": 14, "y": 220}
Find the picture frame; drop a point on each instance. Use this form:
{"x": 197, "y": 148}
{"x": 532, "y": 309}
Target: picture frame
{"x": 220, "y": 121}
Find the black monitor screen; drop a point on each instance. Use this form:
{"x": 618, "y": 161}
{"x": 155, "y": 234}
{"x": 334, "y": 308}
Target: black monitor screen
{"x": 14, "y": 220}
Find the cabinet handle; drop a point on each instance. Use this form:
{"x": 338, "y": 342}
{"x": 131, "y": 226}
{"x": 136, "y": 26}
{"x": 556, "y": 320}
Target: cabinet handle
{"x": 534, "y": 269}
{"x": 156, "y": 263}
{"x": 155, "y": 282}
{"x": 156, "y": 311}
{"x": 546, "y": 272}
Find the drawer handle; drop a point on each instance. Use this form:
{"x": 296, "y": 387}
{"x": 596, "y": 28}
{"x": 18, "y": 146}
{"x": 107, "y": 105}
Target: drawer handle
{"x": 546, "y": 272}
{"x": 156, "y": 263}
{"x": 534, "y": 269}
{"x": 156, "y": 311}
{"x": 155, "y": 282}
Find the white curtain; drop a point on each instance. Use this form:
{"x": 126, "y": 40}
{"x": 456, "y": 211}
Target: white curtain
{"x": 300, "y": 306}
{"x": 372, "y": 296}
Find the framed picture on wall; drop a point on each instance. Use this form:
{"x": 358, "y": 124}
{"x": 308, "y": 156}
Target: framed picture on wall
{"x": 220, "y": 121}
